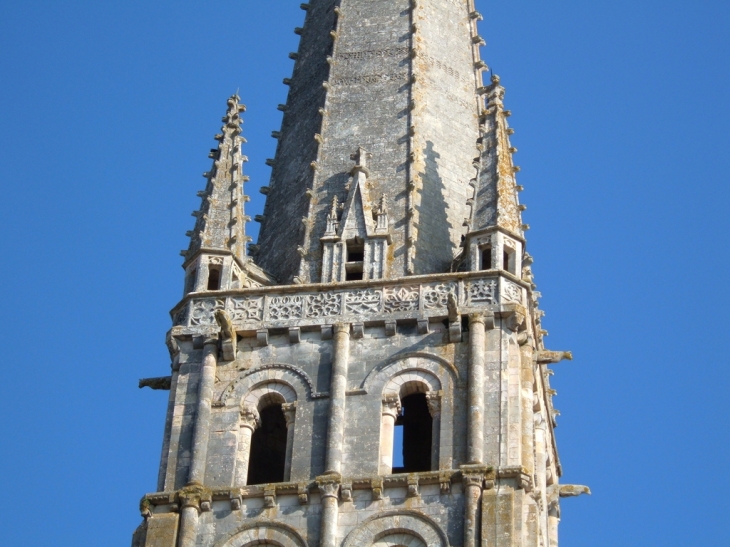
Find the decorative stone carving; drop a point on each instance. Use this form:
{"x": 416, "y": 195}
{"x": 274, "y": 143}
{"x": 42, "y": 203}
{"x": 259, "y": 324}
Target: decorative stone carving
{"x": 285, "y": 307}
{"x": 511, "y": 292}
{"x": 400, "y": 299}
{"x": 377, "y": 486}
{"x": 228, "y": 335}
{"x": 412, "y": 486}
{"x": 329, "y": 485}
{"x": 544, "y": 356}
{"x": 445, "y": 482}
{"x": 324, "y": 304}
{"x": 203, "y": 311}
{"x": 391, "y": 404}
{"x": 247, "y": 309}
{"x": 363, "y": 302}
{"x": 481, "y": 291}
{"x": 290, "y": 411}
{"x": 435, "y": 296}
{"x": 573, "y": 490}
{"x": 433, "y": 400}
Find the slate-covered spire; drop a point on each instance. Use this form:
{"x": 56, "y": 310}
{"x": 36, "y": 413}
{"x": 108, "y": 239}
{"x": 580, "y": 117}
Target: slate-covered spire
{"x": 495, "y": 202}
{"x": 221, "y": 222}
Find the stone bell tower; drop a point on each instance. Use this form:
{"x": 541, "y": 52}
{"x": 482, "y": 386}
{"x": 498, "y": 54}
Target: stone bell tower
{"x": 373, "y": 370}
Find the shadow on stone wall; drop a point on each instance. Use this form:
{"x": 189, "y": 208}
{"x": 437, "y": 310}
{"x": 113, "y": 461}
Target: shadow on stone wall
{"x": 434, "y": 249}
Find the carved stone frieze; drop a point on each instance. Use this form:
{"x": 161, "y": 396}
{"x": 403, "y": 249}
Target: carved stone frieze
{"x": 286, "y": 307}
{"x": 404, "y": 298}
{"x": 203, "y": 311}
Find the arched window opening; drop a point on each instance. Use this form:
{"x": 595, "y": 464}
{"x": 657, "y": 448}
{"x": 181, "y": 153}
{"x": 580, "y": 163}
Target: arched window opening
{"x": 486, "y": 258}
{"x": 268, "y": 447}
{"x": 214, "y": 279}
{"x": 416, "y": 427}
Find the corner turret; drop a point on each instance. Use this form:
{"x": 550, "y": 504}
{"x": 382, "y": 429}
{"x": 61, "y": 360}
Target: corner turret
{"x": 216, "y": 258}
{"x": 495, "y": 239}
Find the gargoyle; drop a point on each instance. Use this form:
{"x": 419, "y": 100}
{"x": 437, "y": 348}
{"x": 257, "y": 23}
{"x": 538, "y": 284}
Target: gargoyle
{"x": 452, "y": 307}
{"x": 224, "y": 322}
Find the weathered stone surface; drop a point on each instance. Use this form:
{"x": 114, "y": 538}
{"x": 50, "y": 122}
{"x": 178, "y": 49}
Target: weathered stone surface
{"x": 394, "y": 235}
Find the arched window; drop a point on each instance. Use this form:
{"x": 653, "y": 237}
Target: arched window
{"x": 214, "y": 279}
{"x": 486, "y": 257}
{"x": 267, "y": 460}
{"x": 416, "y": 426}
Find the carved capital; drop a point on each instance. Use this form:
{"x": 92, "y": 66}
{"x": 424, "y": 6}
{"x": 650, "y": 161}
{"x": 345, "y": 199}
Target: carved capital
{"x": 391, "y": 405}
{"x": 433, "y": 400}
{"x": 195, "y": 495}
{"x": 329, "y": 485}
{"x": 290, "y": 410}
{"x": 474, "y": 475}
{"x": 250, "y": 417}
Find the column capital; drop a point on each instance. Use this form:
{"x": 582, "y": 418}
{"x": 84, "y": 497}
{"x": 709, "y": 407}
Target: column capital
{"x": 433, "y": 400}
{"x": 289, "y": 410}
{"x": 391, "y": 404}
{"x": 329, "y": 485}
{"x": 474, "y": 475}
{"x": 195, "y": 495}
{"x": 250, "y": 417}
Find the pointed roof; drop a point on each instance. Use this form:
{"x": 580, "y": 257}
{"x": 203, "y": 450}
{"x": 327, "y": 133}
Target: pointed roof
{"x": 221, "y": 222}
{"x": 495, "y": 202}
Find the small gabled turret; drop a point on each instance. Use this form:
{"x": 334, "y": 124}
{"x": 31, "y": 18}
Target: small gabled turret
{"x": 354, "y": 246}
{"x": 216, "y": 258}
{"x": 495, "y": 239}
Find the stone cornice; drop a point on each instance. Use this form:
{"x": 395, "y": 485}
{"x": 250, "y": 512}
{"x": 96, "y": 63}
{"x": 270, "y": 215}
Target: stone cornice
{"x": 405, "y": 298}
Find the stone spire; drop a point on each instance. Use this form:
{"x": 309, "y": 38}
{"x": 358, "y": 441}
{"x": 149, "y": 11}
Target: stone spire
{"x": 408, "y": 94}
{"x": 221, "y": 222}
{"x": 495, "y": 213}
{"x": 495, "y": 197}
{"x": 218, "y": 240}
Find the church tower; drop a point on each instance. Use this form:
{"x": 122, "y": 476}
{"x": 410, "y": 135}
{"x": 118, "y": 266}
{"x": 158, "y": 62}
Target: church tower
{"x": 372, "y": 372}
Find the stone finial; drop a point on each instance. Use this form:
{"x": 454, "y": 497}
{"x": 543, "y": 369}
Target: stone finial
{"x": 360, "y": 157}
{"x": 333, "y": 223}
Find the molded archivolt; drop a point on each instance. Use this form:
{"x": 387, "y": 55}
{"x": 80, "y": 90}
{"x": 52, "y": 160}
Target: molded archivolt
{"x": 263, "y": 533}
{"x": 295, "y": 378}
{"x": 397, "y": 528}
{"x": 436, "y": 371}
{"x": 273, "y": 390}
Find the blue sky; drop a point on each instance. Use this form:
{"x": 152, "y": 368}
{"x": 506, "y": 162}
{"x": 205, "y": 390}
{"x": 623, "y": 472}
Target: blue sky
{"x": 621, "y": 116}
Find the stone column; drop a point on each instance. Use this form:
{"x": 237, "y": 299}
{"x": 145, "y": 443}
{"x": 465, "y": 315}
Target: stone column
{"x": 527, "y": 378}
{"x": 202, "y": 415}
{"x": 391, "y": 409}
{"x": 473, "y": 478}
{"x": 192, "y": 499}
{"x": 336, "y": 429}
{"x": 433, "y": 399}
{"x": 250, "y": 421}
{"x": 290, "y": 410}
{"x": 477, "y": 341}
{"x": 329, "y": 486}
{"x": 541, "y": 466}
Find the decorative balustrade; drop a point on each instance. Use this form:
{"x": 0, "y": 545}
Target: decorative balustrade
{"x": 311, "y": 305}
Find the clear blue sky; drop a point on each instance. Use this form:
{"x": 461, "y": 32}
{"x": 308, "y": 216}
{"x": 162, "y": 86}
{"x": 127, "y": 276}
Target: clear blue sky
{"x": 621, "y": 116}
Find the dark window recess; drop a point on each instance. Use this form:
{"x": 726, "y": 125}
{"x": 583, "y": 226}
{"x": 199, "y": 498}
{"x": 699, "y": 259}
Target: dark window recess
{"x": 268, "y": 448}
{"x": 214, "y": 279}
{"x": 486, "y": 258}
{"x": 354, "y": 264}
{"x": 417, "y": 425}
{"x": 190, "y": 281}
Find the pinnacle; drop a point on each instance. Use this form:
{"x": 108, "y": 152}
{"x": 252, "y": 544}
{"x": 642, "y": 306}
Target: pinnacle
{"x": 221, "y": 220}
{"x": 495, "y": 202}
